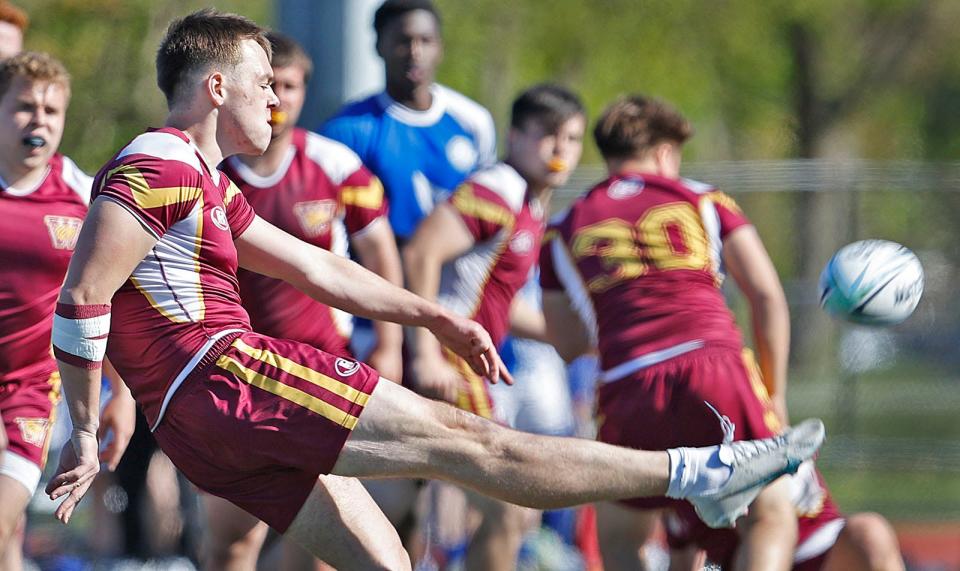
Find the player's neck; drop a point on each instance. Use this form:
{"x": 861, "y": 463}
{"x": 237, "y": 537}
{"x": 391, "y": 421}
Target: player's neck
{"x": 633, "y": 166}
{"x": 417, "y": 97}
{"x": 22, "y": 177}
{"x": 266, "y": 164}
{"x": 202, "y": 133}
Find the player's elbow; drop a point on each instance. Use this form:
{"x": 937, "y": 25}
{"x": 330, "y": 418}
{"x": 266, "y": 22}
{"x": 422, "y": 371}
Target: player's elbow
{"x": 84, "y": 293}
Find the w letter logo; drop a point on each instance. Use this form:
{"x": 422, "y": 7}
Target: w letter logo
{"x": 64, "y": 231}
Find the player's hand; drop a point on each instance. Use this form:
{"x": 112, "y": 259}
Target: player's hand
{"x": 388, "y": 361}
{"x": 436, "y": 379}
{"x": 78, "y": 467}
{"x": 471, "y": 341}
{"x": 117, "y": 423}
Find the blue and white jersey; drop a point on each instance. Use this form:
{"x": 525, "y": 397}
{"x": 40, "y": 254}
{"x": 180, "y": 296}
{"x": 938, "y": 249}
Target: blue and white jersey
{"x": 420, "y": 156}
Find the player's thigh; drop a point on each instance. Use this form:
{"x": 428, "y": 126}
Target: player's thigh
{"x": 618, "y": 524}
{"x": 14, "y": 498}
{"x": 403, "y": 434}
{"x": 227, "y": 525}
{"x": 866, "y": 543}
{"x": 499, "y": 514}
{"x": 772, "y": 507}
{"x": 341, "y": 524}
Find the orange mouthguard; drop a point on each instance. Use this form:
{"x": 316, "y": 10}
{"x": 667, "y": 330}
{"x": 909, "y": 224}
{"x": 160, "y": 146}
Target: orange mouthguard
{"x": 557, "y": 164}
{"x": 278, "y": 117}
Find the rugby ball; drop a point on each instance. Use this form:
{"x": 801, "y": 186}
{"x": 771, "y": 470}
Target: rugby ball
{"x": 872, "y": 282}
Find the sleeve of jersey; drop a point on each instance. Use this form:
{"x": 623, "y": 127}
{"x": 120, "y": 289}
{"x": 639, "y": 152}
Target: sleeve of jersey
{"x": 158, "y": 194}
{"x": 239, "y": 212}
{"x": 363, "y": 200}
{"x": 548, "y": 273}
{"x": 730, "y": 215}
{"x": 483, "y": 212}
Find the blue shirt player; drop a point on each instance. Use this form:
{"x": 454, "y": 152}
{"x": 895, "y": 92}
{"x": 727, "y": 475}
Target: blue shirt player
{"x": 420, "y": 138}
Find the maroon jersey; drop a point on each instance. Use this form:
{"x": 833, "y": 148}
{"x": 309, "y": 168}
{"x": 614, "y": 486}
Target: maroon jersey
{"x": 321, "y": 194}
{"x": 182, "y": 302}
{"x": 38, "y": 233}
{"x": 639, "y": 256}
{"x": 507, "y": 226}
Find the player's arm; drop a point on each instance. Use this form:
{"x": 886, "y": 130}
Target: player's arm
{"x": 111, "y": 244}
{"x": 527, "y": 322}
{"x": 441, "y": 237}
{"x": 376, "y": 247}
{"x": 341, "y": 283}
{"x": 118, "y": 419}
{"x": 748, "y": 262}
{"x": 565, "y": 329}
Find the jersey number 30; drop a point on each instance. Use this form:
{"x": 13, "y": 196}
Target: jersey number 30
{"x": 667, "y": 237}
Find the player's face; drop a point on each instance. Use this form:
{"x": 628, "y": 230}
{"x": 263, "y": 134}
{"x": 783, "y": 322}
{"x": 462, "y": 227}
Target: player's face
{"x": 248, "y": 103}
{"x": 291, "y": 88}
{"x": 544, "y": 158}
{"x": 32, "y": 111}
{"x": 411, "y": 49}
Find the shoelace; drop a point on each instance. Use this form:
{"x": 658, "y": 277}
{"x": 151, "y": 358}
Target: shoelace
{"x": 726, "y": 424}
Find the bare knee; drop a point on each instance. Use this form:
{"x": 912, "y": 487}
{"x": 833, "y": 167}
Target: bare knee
{"x": 11, "y": 530}
{"x": 870, "y": 540}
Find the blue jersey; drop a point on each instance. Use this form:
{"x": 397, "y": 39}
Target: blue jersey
{"x": 420, "y": 156}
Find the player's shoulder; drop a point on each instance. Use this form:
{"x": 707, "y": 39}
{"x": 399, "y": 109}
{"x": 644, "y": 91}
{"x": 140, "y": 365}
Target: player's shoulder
{"x": 337, "y": 160}
{"x": 467, "y": 111}
{"x": 500, "y": 184}
{"x": 79, "y": 182}
{"x": 165, "y": 153}
{"x": 365, "y": 108}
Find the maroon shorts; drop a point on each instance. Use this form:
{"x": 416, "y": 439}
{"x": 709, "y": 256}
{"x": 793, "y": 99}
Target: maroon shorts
{"x": 29, "y": 409}
{"x": 259, "y": 425}
{"x": 664, "y": 406}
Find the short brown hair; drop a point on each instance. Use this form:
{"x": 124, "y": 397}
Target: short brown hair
{"x": 287, "y": 52}
{"x": 200, "y": 39}
{"x": 634, "y": 124}
{"x": 14, "y": 15}
{"x": 33, "y": 66}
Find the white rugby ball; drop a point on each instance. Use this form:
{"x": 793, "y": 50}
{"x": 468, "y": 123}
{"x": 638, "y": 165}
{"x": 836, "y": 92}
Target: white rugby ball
{"x": 872, "y": 282}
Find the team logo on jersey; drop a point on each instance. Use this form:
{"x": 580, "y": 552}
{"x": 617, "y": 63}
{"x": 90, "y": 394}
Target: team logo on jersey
{"x": 346, "y": 367}
{"x": 33, "y": 430}
{"x": 64, "y": 231}
{"x": 219, "y": 217}
{"x": 624, "y": 189}
{"x": 315, "y": 216}
{"x": 522, "y": 242}
{"x": 461, "y": 153}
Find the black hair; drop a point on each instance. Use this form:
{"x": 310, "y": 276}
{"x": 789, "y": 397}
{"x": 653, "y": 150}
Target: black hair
{"x": 393, "y": 9}
{"x": 548, "y": 104}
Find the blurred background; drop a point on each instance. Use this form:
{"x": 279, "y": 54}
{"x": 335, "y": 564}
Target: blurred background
{"x": 828, "y": 121}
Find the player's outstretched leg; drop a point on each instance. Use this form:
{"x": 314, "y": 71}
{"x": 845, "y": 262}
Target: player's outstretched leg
{"x": 233, "y": 537}
{"x": 341, "y": 524}
{"x": 402, "y": 434}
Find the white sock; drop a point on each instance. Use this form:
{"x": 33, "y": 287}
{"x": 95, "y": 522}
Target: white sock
{"x": 696, "y": 471}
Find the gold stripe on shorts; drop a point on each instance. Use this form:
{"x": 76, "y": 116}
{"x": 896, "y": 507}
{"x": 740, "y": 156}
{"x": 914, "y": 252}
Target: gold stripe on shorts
{"x": 292, "y": 394}
{"x": 302, "y": 372}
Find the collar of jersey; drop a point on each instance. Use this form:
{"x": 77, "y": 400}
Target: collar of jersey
{"x": 14, "y": 191}
{"x": 413, "y": 117}
{"x": 255, "y": 180}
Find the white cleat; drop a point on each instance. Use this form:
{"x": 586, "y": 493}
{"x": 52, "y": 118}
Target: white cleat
{"x": 754, "y": 464}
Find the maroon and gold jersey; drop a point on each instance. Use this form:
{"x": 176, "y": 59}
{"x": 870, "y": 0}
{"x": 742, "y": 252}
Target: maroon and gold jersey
{"x": 507, "y": 226}
{"x": 639, "y": 257}
{"x": 37, "y": 236}
{"x": 323, "y": 195}
{"x": 182, "y": 301}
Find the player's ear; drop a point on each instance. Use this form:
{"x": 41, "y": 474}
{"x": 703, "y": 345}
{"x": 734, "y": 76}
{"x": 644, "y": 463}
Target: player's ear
{"x": 215, "y": 88}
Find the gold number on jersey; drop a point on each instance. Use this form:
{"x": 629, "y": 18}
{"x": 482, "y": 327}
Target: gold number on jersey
{"x": 667, "y": 237}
